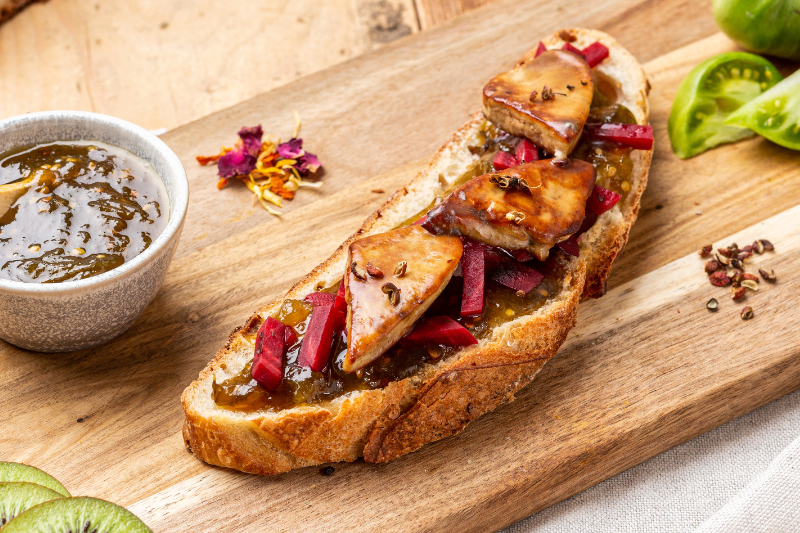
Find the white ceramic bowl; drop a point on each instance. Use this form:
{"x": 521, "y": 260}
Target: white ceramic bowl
{"x": 61, "y": 317}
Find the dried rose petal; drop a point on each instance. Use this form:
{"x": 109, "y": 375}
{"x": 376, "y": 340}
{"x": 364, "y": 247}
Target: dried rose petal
{"x": 291, "y": 149}
{"x": 308, "y": 163}
{"x": 251, "y": 138}
{"x": 720, "y": 279}
{"x": 237, "y": 162}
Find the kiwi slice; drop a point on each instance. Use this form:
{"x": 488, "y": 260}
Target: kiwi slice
{"x": 17, "y": 496}
{"x": 83, "y": 514}
{"x": 30, "y": 474}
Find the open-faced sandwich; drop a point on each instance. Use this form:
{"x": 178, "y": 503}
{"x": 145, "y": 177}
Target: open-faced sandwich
{"x": 455, "y": 293}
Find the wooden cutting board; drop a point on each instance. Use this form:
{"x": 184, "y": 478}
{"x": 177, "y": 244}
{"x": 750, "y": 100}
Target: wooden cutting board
{"x": 648, "y": 366}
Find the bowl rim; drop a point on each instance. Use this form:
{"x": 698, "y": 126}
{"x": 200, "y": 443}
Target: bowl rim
{"x": 178, "y": 205}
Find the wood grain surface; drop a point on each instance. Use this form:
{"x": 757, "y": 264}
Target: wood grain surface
{"x": 161, "y": 64}
{"x": 648, "y": 367}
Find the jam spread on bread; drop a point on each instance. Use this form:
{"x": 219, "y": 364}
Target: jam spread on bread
{"x": 512, "y": 223}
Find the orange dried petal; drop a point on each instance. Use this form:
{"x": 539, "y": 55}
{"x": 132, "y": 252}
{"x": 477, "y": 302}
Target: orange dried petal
{"x": 206, "y": 159}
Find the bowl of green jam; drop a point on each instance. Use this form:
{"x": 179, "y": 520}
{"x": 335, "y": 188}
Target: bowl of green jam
{"x": 91, "y": 210}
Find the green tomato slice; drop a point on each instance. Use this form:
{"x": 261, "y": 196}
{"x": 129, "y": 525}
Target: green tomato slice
{"x": 709, "y": 94}
{"x": 775, "y": 114}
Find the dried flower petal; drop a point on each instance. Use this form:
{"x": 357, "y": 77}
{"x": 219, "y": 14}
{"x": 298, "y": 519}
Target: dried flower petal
{"x": 292, "y": 149}
{"x": 237, "y": 162}
{"x": 308, "y": 163}
{"x": 251, "y": 138}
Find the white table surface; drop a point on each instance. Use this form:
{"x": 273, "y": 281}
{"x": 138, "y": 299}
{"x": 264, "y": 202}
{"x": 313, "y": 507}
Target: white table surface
{"x": 680, "y": 489}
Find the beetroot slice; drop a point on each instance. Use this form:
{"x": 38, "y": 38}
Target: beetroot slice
{"x": 523, "y": 256}
{"x": 570, "y": 246}
{"x": 473, "y": 267}
{"x": 340, "y": 303}
{"x": 540, "y": 49}
{"x": 526, "y": 151}
{"x": 569, "y": 48}
{"x": 601, "y": 200}
{"x": 595, "y": 53}
{"x": 517, "y": 276}
{"x": 268, "y": 356}
{"x": 503, "y": 160}
{"x": 320, "y": 298}
{"x": 629, "y": 135}
{"x": 440, "y": 330}
{"x": 316, "y": 348}
{"x": 291, "y": 336}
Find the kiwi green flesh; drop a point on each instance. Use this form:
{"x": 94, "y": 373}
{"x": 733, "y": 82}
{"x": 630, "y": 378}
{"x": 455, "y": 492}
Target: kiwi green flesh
{"x": 30, "y": 474}
{"x": 83, "y": 514}
{"x": 17, "y": 497}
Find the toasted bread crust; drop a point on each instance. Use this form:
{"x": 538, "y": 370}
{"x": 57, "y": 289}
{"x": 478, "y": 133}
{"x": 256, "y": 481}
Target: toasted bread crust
{"x": 442, "y": 399}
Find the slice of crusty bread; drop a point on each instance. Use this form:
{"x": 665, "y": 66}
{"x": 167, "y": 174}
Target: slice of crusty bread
{"x": 441, "y": 399}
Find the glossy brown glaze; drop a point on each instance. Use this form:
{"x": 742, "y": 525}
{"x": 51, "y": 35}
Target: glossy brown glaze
{"x": 554, "y": 117}
{"x": 80, "y": 209}
{"x": 547, "y": 209}
{"x": 383, "y": 306}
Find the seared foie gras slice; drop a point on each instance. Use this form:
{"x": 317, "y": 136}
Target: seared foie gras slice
{"x": 554, "y": 116}
{"x": 530, "y": 207}
{"x": 392, "y": 279}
